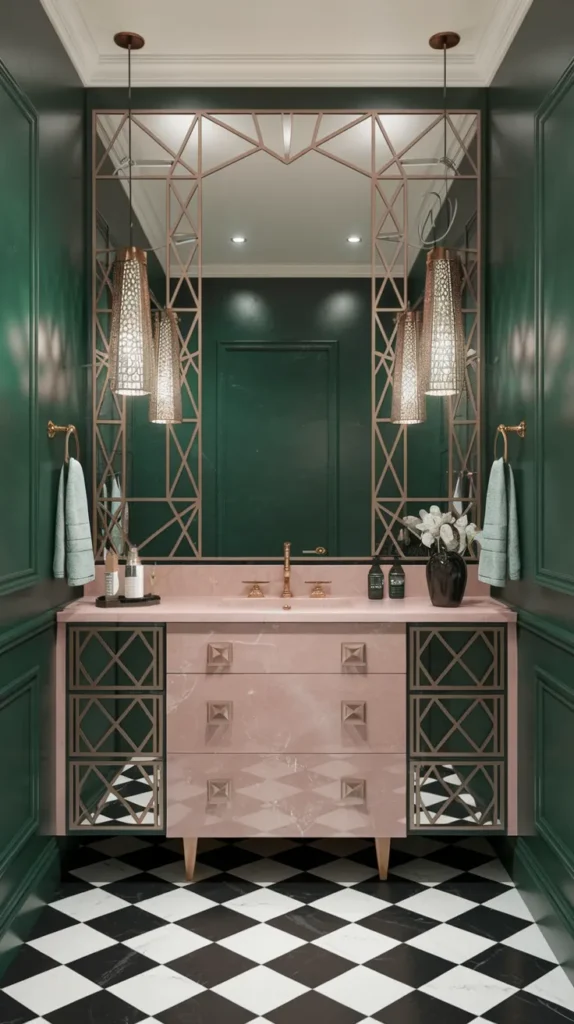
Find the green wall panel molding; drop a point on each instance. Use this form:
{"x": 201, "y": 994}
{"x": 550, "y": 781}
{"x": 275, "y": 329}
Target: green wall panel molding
{"x": 554, "y": 760}
{"x": 19, "y": 728}
{"x": 554, "y": 423}
{"x": 18, "y": 354}
{"x": 38, "y": 877}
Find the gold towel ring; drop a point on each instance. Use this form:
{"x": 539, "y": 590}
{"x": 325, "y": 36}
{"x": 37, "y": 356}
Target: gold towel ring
{"x": 505, "y": 430}
{"x": 70, "y": 431}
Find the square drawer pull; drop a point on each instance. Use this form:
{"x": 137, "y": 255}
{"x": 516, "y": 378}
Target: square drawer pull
{"x": 219, "y": 712}
{"x": 218, "y": 791}
{"x": 353, "y": 791}
{"x": 220, "y": 655}
{"x": 354, "y": 655}
{"x": 354, "y": 712}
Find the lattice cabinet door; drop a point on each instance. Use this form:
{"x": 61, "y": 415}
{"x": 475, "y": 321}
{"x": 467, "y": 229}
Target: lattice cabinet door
{"x": 115, "y": 728}
{"x": 457, "y": 727}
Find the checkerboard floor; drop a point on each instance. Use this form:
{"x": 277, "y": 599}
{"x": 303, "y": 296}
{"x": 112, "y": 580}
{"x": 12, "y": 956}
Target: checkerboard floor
{"x": 285, "y": 932}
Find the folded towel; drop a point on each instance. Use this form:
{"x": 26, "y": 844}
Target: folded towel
{"x": 73, "y": 552}
{"x": 499, "y": 553}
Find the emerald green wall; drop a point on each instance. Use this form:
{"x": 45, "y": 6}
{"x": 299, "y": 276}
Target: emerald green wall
{"x": 529, "y": 373}
{"x": 43, "y": 357}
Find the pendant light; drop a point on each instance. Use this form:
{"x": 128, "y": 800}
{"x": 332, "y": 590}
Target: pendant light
{"x": 131, "y": 333}
{"x": 443, "y": 329}
{"x": 165, "y": 398}
{"x": 409, "y": 403}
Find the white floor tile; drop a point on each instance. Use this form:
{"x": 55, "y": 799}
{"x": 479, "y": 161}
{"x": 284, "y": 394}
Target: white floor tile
{"x": 118, "y": 846}
{"x": 350, "y": 904}
{"x": 260, "y": 990}
{"x": 441, "y": 906}
{"x": 425, "y": 872}
{"x": 531, "y": 940}
{"x": 555, "y": 987}
{"x": 175, "y": 872}
{"x": 451, "y": 943}
{"x": 156, "y": 990}
{"x": 86, "y": 906}
{"x": 364, "y": 990}
{"x": 167, "y": 943}
{"x": 177, "y": 904}
{"x": 263, "y": 905}
{"x": 106, "y": 871}
{"x": 344, "y": 872}
{"x": 469, "y": 990}
{"x": 510, "y": 902}
{"x": 493, "y": 870}
{"x": 264, "y": 871}
{"x": 72, "y": 943}
{"x": 261, "y": 943}
{"x": 356, "y": 943}
{"x": 44, "y": 993}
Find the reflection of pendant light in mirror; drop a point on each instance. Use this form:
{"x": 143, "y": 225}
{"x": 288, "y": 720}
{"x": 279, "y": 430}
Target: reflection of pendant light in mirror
{"x": 409, "y": 405}
{"x": 130, "y": 335}
{"x": 165, "y": 398}
{"x": 443, "y": 331}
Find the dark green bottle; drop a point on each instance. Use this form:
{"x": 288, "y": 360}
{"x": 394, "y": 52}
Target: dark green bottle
{"x": 397, "y": 580}
{"x": 376, "y": 584}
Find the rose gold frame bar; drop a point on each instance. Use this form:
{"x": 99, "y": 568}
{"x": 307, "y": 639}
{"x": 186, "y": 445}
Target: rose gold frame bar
{"x": 389, "y": 450}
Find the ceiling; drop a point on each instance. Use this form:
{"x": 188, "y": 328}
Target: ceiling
{"x": 288, "y": 43}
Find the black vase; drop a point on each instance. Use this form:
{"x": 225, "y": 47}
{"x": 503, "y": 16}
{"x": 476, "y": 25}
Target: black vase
{"x": 446, "y": 578}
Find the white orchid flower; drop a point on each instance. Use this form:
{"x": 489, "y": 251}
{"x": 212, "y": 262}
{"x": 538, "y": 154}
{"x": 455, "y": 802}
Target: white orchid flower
{"x": 447, "y": 535}
{"x": 428, "y": 539}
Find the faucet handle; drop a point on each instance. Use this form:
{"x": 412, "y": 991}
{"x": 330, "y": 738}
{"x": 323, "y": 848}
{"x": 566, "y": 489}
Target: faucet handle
{"x": 316, "y": 551}
{"x": 256, "y": 585}
{"x": 318, "y": 585}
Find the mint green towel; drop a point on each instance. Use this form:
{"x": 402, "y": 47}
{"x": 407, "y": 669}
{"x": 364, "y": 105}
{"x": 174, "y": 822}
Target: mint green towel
{"x": 499, "y": 547}
{"x": 73, "y": 552}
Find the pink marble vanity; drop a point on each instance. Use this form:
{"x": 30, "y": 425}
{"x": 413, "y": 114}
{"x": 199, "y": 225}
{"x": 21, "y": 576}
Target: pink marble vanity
{"x": 287, "y": 721}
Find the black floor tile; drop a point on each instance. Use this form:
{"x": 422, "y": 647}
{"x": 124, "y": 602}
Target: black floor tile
{"x": 225, "y": 858}
{"x": 211, "y": 965}
{"x": 509, "y": 965}
{"x": 305, "y": 887}
{"x": 112, "y": 965}
{"x": 398, "y": 923}
{"x": 412, "y": 966}
{"x": 150, "y": 857}
{"x": 205, "y": 1008}
{"x": 99, "y": 1008}
{"x": 50, "y": 920}
{"x": 310, "y": 965}
{"x": 217, "y": 923}
{"x": 460, "y": 857}
{"x": 493, "y": 924}
{"x": 222, "y": 888}
{"x": 393, "y": 890}
{"x": 305, "y": 857}
{"x": 522, "y": 1008}
{"x": 141, "y": 887}
{"x": 26, "y": 964}
{"x": 126, "y": 923}
{"x": 12, "y": 1012}
{"x": 472, "y": 887}
{"x": 308, "y": 923}
{"x": 418, "y": 1008}
{"x": 312, "y": 1007}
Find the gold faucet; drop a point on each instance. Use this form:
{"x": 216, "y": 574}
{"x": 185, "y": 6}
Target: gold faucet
{"x": 287, "y": 570}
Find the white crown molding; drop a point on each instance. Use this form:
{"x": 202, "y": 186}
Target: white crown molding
{"x": 497, "y": 38}
{"x": 309, "y": 70}
{"x": 67, "y": 18}
{"x": 254, "y": 270}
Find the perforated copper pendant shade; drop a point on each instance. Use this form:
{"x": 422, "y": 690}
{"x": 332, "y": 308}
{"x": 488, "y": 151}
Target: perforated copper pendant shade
{"x": 131, "y": 334}
{"x": 165, "y": 398}
{"x": 443, "y": 330}
{"x": 409, "y": 403}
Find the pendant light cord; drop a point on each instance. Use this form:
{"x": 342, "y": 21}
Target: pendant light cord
{"x": 130, "y": 143}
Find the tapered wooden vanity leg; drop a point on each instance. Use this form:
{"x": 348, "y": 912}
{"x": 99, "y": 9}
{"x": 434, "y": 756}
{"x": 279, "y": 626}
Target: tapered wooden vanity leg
{"x": 383, "y": 847}
{"x": 189, "y": 855}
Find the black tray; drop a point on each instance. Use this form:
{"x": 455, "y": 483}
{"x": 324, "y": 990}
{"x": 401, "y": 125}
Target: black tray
{"x": 115, "y": 602}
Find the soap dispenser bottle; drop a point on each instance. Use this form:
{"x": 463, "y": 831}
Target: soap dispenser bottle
{"x": 134, "y": 576}
{"x": 376, "y": 581}
{"x": 397, "y": 580}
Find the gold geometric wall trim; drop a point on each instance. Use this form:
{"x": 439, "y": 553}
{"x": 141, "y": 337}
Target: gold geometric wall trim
{"x": 457, "y": 657}
{"x": 105, "y": 778}
{"x": 99, "y": 657}
{"x": 461, "y": 726}
{"x": 442, "y": 796}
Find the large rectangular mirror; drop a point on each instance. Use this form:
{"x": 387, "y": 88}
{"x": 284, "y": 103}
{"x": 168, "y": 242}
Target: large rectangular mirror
{"x": 286, "y": 244}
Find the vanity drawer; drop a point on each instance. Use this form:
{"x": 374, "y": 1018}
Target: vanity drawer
{"x": 286, "y": 795}
{"x": 261, "y": 713}
{"x": 295, "y": 648}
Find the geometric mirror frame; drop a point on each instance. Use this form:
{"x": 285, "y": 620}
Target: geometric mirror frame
{"x": 174, "y": 176}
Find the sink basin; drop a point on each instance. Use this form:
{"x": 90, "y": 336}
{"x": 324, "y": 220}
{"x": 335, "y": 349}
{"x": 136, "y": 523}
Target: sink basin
{"x": 263, "y": 604}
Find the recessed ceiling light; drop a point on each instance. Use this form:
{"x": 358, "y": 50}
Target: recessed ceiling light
{"x": 238, "y": 239}
{"x": 354, "y": 239}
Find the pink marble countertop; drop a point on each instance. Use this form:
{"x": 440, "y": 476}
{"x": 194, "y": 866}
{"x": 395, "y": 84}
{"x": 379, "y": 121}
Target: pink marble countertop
{"x": 301, "y": 609}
